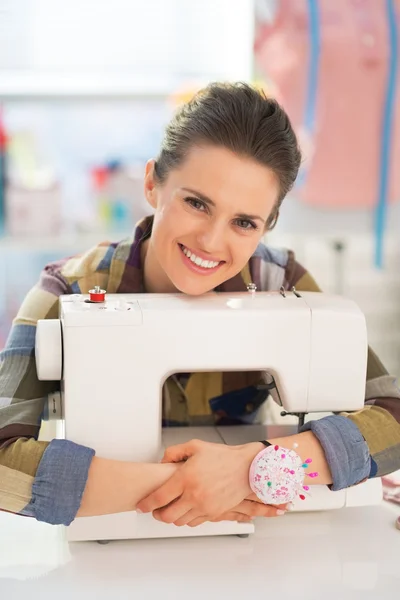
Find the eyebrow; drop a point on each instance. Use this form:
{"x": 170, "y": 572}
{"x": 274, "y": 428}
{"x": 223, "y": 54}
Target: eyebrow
{"x": 207, "y": 200}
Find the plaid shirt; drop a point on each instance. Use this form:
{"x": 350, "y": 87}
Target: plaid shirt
{"x": 47, "y": 480}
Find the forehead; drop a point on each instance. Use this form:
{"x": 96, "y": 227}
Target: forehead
{"x": 223, "y": 175}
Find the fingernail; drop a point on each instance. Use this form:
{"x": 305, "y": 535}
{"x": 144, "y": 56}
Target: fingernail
{"x": 280, "y": 512}
{"x": 290, "y": 506}
{"x": 139, "y": 511}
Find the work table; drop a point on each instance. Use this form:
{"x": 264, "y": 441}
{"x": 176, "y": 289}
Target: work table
{"x": 348, "y": 554}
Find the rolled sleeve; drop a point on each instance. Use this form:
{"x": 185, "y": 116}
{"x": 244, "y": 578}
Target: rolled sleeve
{"x": 60, "y": 481}
{"x": 345, "y": 448}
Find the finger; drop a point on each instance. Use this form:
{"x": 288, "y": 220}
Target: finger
{"x": 176, "y": 511}
{"x": 254, "y": 498}
{"x": 175, "y": 454}
{"x": 233, "y": 516}
{"x": 257, "y": 509}
{"x": 180, "y": 452}
{"x": 198, "y": 521}
{"x": 262, "y": 505}
{"x": 164, "y": 495}
{"x": 191, "y": 515}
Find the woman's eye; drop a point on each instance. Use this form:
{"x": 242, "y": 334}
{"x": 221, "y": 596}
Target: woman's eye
{"x": 196, "y": 203}
{"x": 244, "y": 224}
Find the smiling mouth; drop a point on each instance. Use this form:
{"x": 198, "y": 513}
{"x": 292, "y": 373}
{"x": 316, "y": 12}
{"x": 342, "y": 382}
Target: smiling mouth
{"x": 200, "y": 263}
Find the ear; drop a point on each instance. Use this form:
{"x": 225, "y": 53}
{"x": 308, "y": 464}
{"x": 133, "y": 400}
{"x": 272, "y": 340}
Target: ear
{"x": 150, "y": 184}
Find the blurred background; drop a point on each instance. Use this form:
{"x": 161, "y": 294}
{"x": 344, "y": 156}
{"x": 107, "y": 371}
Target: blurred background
{"x": 87, "y": 86}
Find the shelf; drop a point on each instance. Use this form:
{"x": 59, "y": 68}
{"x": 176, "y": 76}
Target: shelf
{"x": 32, "y": 85}
{"x": 76, "y": 242}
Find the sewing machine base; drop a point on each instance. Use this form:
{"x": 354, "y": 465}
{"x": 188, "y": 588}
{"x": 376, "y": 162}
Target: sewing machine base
{"x": 132, "y": 525}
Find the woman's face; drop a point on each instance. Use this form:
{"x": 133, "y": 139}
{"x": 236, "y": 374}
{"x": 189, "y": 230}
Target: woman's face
{"x": 210, "y": 214}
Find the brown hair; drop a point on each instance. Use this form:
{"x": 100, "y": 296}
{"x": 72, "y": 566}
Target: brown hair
{"x": 240, "y": 118}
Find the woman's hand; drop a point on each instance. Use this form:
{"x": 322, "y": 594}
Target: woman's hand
{"x": 246, "y": 511}
{"x": 253, "y": 507}
{"x": 213, "y": 482}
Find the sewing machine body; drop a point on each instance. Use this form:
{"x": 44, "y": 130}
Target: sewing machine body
{"x": 114, "y": 357}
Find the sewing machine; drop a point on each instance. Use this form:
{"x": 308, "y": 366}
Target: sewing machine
{"x": 112, "y": 354}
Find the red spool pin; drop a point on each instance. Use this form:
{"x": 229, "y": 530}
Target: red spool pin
{"x": 97, "y": 294}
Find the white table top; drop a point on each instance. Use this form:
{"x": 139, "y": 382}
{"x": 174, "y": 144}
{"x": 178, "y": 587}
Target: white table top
{"x": 346, "y": 554}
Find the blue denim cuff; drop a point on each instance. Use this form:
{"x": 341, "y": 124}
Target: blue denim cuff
{"x": 60, "y": 482}
{"x": 345, "y": 448}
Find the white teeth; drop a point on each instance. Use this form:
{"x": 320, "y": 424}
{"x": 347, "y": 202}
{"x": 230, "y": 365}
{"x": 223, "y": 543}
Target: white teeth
{"x": 207, "y": 264}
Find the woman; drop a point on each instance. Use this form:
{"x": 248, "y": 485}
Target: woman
{"x": 228, "y": 159}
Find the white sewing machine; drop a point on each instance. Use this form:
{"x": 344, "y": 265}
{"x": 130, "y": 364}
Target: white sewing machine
{"x": 114, "y": 354}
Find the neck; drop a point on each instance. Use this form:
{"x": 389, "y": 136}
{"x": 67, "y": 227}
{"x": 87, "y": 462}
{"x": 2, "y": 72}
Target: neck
{"x": 154, "y": 278}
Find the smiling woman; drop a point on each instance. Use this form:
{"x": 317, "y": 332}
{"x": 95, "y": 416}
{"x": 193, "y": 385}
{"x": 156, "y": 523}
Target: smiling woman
{"x": 228, "y": 159}
{"x": 211, "y": 223}
{"x": 218, "y": 232}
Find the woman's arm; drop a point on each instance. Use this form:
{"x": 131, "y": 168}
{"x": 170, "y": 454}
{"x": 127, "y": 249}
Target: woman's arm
{"x": 366, "y": 443}
{"x": 115, "y": 486}
{"x": 49, "y": 481}
{"x": 23, "y": 398}
{"x": 308, "y": 447}
{"x": 215, "y": 477}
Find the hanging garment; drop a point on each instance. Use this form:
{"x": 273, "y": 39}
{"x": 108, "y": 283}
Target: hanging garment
{"x": 334, "y": 65}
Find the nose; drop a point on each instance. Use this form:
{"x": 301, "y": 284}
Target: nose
{"x": 211, "y": 238}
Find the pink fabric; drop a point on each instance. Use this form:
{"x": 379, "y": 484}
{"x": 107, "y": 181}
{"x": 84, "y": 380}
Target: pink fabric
{"x": 342, "y": 169}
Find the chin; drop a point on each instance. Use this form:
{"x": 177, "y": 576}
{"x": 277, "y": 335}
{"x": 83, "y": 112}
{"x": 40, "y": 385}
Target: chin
{"x": 191, "y": 289}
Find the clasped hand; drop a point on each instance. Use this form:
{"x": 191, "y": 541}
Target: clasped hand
{"x": 212, "y": 484}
